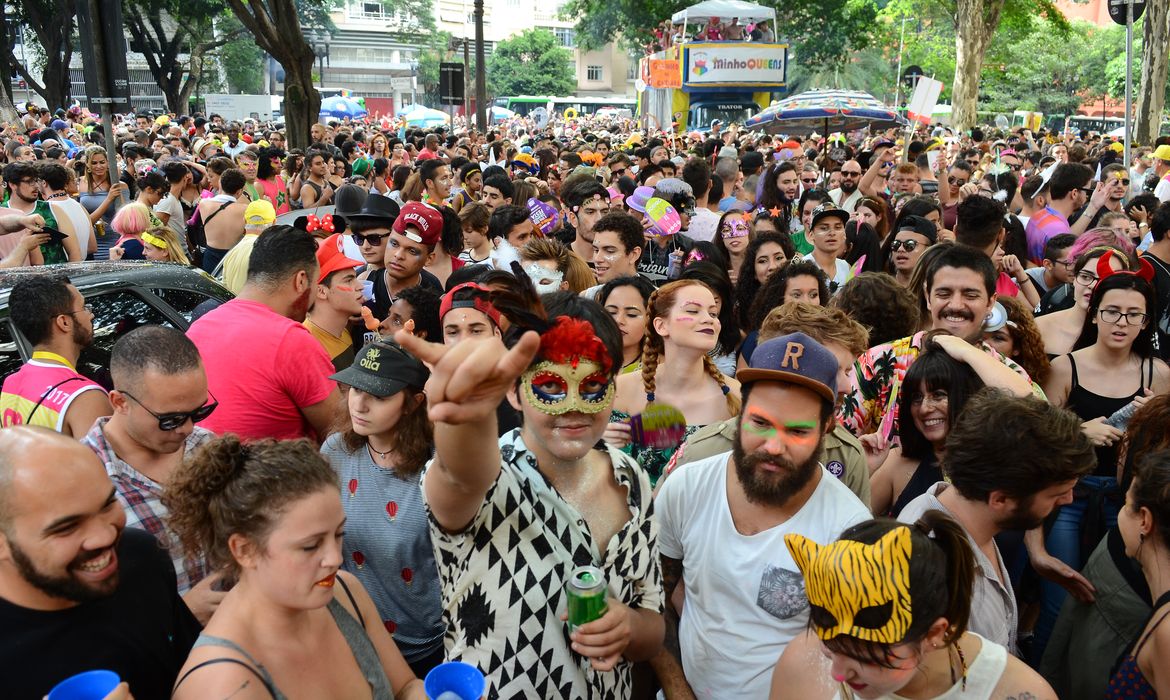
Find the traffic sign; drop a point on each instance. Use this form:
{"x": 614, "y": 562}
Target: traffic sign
{"x": 1117, "y": 11}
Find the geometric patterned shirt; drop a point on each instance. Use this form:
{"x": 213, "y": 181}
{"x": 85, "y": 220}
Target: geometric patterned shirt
{"x": 503, "y": 580}
{"x": 141, "y": 498}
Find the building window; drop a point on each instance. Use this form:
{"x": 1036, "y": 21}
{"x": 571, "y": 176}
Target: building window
{"x": 632, "y": 68}
{"x": 593, "y": 74}
{"x": 566, "y": 36}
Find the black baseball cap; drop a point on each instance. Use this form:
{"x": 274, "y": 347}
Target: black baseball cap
{"x": 920, "y": 225}
{"x": 383, "y": 368}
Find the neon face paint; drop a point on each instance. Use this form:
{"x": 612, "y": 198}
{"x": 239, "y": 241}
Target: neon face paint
{"x": 773, "y": 427}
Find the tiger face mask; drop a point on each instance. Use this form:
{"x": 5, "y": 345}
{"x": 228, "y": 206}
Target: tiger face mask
{"x": 855, "y": 589}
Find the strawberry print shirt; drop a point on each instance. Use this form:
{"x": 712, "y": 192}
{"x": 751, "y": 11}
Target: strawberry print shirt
{"x": 503, "y": 580}
{"x": 387, "y": 546}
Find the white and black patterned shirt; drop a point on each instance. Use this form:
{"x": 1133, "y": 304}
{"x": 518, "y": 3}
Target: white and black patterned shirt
{"x": 503, "y": 580}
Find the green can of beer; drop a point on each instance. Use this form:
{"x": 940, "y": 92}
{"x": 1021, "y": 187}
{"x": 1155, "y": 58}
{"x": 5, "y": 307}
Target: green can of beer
{"x": 586, "y": 591}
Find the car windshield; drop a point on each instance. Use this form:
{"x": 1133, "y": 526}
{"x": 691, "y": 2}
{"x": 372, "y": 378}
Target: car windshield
{"x": 728, "y": 113}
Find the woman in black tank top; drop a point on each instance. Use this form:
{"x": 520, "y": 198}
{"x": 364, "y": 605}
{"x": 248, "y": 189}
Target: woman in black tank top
{"x": 934, "y": 391}
{"x": 1112, "y": 365}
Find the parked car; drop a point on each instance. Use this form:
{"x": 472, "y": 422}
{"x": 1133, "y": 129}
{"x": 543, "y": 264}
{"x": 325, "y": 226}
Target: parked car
{"x": 124, "y": 295}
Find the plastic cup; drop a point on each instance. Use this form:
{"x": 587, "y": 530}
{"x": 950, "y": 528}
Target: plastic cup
{"x": 90, "y": 685}
{"x": 455, "y": 677}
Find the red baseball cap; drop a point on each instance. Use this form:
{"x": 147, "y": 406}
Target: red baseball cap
{"x": 420, "y": 223}
{"x": 331, "y": 258}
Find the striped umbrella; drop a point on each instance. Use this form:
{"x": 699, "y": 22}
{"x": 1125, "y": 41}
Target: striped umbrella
{"x": 826, "y": 111}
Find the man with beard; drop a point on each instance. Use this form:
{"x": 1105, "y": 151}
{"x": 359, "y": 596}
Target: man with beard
{"x": 47, "y": 390}
{"x": 268, "y": 373}
{"x": 847, "y": 194}
{"x": 78, "y": 591}
{"x": 160, "y": 394}
{"x": 960, "y": 293}
{"x": 723, "y": 520}
{"x": 987, "y": 494}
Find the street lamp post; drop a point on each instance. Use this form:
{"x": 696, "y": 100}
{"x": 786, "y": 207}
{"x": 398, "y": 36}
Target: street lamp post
{"x": 480, "y": 77}
{"x": 320, "y": 46}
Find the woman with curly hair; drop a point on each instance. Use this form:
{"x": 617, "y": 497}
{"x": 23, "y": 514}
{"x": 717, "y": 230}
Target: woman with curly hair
{"x": 799, "y": 281}
{"x": 269, "y": 515}
{"x": 878, "y": 302}
{"x": 766, "y": 254}
{"x": 1018, "y": 337}
{"x": 682, "y": 328}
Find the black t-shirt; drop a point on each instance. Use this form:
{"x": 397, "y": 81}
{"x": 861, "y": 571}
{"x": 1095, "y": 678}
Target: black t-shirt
{"x": 143, "y": 632}
{"x": 1162, "y": 294}
{"x": 381, "y": 302}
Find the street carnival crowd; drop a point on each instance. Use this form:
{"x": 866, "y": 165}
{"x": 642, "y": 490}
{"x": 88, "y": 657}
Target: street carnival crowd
{"x": 856, "y": 415}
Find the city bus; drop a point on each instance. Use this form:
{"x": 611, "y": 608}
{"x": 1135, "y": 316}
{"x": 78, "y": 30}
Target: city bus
{"x": 523, "y": 104}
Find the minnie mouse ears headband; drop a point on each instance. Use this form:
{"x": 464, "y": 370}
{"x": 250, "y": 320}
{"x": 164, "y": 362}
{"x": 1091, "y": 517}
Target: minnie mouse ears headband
{"x": 323, "y": 226}
{"x": 1104, "y": 269}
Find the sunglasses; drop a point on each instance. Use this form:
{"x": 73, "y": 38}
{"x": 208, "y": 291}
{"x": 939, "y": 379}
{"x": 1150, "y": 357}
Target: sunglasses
{"x": 908, "y": 246}
{"x": 170, "y": 421}
{"x": 374, "y": 239}
{"x": 618, "y": 173}
{"x": 850, "y": 173}
{"x": 956, "y": 182}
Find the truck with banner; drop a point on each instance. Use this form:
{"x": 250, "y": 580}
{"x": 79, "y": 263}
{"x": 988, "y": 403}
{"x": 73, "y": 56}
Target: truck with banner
{"x": 694, "y": 84}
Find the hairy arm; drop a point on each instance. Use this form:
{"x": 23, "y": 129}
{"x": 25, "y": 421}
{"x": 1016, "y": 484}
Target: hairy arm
{"x": 667, "y": 663}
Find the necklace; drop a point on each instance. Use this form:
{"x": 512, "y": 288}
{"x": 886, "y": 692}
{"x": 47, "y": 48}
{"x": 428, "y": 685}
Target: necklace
{"x": 58, "y": 195}
{"x": 383, "y": 455}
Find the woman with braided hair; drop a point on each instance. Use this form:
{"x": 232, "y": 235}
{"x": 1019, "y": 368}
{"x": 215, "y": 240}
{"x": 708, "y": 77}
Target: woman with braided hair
{"x": 682, "y": 326}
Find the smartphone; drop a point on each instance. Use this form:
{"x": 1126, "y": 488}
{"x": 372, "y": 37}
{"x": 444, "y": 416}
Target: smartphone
{"x": 55, "y": 236}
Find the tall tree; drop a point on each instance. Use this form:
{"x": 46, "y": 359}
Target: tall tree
{"x": 976, "y": 22}
{"x": 532, "y": 63}
{"x": 164, "y": 30}
{"x": 52, "y": 24}
{"x": 1151, "y": 97}
{"x": 276, "y": 27}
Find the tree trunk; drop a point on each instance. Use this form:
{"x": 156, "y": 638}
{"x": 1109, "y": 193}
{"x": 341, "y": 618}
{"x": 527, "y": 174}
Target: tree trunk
{"x": 1151, "y": 97}
{"x": 975, "y": 24}
{"x": 8, "y": 114}
{"x": 276, "y": 27}
{"x": 302, "y": 102}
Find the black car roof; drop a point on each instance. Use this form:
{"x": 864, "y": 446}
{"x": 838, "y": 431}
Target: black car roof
{"x": 114, "y": 274}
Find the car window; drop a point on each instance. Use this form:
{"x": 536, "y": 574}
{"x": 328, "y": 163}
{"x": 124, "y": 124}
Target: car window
{"x": 183, "y": 301}
{"x": 10, "y": 359}
{"x": 114, "y": 315}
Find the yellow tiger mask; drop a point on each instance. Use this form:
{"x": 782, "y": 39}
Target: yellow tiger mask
{"x": 861, "y": 590}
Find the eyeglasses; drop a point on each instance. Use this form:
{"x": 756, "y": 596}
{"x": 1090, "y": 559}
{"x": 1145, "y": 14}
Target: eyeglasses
{"x": 908, "y": 246}
{"x": 1133, "y": 318}
{"x": 1087, "y": 278}
{"x": 850, "y": 173}
{"x": 956, "y": 182}
{"x": 1087, "y": 190}
{"x": 170, "y": 421}
{"x": 371, "y": 238}
{"x": 1121, "y": 181}
{"x": 618, "y": 173}
{"x": 937, "y": 398}
{"x": 86, "y": 307}
{"x": 1067, "y": 264}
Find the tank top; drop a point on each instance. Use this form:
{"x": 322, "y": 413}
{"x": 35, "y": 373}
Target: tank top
{"x": 926, "y": 474}
{"x": 93, "y": 199}
{"x": 40, "y": 393}
{"x": 352, "y": 630}
{"x": 1088, "y": 406}
{"x": 1128, "y": 681}
{"x": 982, "y": 676}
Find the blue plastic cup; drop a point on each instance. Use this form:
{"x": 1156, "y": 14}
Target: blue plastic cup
{"x": 91, "y": 685}
{"x": 456, "y": 677}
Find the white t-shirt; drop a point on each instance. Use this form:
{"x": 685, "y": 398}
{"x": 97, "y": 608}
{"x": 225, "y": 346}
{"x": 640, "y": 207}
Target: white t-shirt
{"x": 840, "y": 276}
{"x": 846, "y": 203}
{"x": 78, "y": 217}
{"x": 703, "y": 225}
{"x": 745, "y": 597}
{"x": 176, "y": 222}
{"x": 1162, "y": 191}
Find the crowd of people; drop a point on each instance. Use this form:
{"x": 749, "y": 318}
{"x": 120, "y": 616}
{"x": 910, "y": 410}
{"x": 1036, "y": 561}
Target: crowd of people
{"x": 862, "y": 415}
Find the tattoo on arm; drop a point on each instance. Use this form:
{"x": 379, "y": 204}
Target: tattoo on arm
{"x": 1022, "y": 696}
{"x": 672, "y": 570}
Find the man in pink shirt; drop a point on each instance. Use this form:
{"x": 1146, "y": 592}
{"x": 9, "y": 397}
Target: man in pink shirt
{"x": 270, "y": 375}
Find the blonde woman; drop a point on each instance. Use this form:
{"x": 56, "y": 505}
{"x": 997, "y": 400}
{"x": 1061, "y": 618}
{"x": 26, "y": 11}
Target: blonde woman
{"x": 161, "y": 244}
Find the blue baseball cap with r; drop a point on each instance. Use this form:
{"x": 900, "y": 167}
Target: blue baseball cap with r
{"x": 796, "y": 359}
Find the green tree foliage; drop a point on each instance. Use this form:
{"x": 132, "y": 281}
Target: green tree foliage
{"x": 242, "y": 63}
{"x": 48, "y": 39}
{"x": 438, "y": 50}
{"x": 531, "y": 63}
